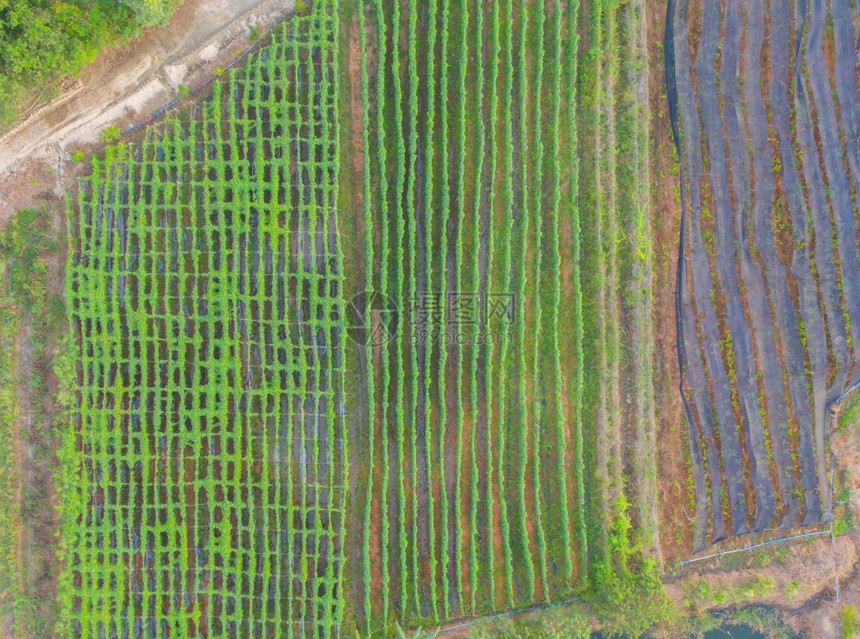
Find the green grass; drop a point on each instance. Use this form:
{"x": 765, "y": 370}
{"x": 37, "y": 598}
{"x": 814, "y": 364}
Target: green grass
{"x": 32, "y": 319}
{"x": 11, "y": 526}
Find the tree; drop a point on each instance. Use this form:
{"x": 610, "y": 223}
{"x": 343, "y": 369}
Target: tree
{"x": 151, "y": 12}
{"x": 42, "y": 40}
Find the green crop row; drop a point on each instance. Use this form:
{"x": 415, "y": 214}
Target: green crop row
{"x": 536, "y": 210}
{"x": 507, "y": 219}
{"x": 576, "y": 257}
{"x": 464, "y": 200}
{"x": 475, "y": 287}
{"x": 555, "y": 267}
{"x": 522, "y": 423}
{"x": 443, "y": 287}
{"x": 369, "y": 288}
{"x": 459, "y": 256}
{"x": 428, "y": 205}
{"x": 411, "y": 238}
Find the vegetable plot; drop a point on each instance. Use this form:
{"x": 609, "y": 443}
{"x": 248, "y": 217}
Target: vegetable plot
{"x": 771, "y": 341}
{"x": 473, "y": 454}
{"x": 205, "y": 468}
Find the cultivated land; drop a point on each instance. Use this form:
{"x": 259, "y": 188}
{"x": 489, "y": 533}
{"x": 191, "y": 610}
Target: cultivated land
{"x": 205, "y": 470}
{"x": 771, "y": 231}
{"x": 378, "y": 335}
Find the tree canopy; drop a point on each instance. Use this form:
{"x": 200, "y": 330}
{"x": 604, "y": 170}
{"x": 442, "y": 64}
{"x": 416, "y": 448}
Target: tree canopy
{"x": 42, "y": 40}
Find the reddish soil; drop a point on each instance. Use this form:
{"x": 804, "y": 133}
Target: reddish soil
{"x": 674, "y": 499}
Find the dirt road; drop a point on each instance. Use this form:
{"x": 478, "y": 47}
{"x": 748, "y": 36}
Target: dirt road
{"x": 124, "y": 86}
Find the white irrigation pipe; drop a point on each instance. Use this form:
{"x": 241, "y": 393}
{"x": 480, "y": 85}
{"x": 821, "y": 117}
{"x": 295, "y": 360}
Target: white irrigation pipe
{"x": 843, "y": 395}
{"x": 750, "y": 547}
{"x": 773, "y": 541}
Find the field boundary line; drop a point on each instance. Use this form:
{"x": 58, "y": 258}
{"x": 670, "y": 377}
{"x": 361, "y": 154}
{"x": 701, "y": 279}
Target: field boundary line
{"x": 506, "y": 613}
{"x": 254, "y": 47}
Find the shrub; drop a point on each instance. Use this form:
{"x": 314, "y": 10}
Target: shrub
{"x": 558, "y": 622}
{"x": 627, "y": 595}
{"x": 848, "y": 622}
{"x": 758, "y": 586}
{"x": 110, "y": 134}
{"x": 41, "y": 40}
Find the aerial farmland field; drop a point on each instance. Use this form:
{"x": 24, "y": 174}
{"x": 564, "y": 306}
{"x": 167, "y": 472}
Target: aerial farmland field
{"x": 430, "y": 318}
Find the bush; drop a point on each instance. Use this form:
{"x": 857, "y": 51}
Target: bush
{"x": 848, "y": 622}
{"x": 24, "y": 246}
{"x": 110, "y": 134}
{"x": 558, "y": 622}
{"x": 758, "y": 586}
{"x": 792, "y": 588}
{"x": 151, "y": 12}
{"x": 627, "y": 595}
{"x": 42, "y": 40}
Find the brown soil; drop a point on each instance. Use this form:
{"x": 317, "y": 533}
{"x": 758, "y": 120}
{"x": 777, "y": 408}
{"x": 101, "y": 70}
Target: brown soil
{"x": 672, "y": 482}
{"x": 355, "y": 107}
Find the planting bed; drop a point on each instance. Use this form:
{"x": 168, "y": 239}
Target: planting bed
{"x": 474, "y": 483}
{"x": 204, "y": 485}
{"x": 768, "y": 313}
{"x": 497, "y": 392}
{"x": 485, "y": 470}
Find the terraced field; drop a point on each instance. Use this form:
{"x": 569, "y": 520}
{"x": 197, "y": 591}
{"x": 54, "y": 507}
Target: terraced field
{"x": 767, "y": 104}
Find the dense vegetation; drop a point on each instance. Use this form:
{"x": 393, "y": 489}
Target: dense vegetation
{"x": 42, "y": 40}
{"x": 232, "y": 466}
{"x": 505, "y": 171}
{"x": 505, "y": 256}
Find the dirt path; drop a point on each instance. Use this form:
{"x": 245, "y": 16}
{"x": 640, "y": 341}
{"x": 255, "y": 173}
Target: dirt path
{"x": 124, "y": 86}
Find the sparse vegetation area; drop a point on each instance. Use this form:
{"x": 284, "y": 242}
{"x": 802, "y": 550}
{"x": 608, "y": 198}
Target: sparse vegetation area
{"x": 32, "y": 322}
